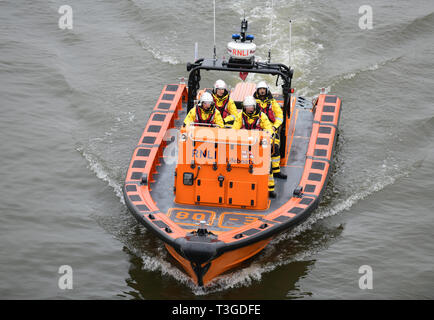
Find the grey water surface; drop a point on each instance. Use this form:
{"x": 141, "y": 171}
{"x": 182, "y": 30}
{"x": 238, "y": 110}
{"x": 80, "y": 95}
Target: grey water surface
{"x": 74, "y": 102}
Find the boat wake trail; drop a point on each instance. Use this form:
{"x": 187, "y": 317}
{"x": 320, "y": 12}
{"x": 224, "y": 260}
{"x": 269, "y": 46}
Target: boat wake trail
{"x": 97, "y": 166}
{"x": 386, "y": 175}
{"x": 416, "y": 28}
{"x": 307, "y": 43}
{"x": 353, "y": 74}
{"x": 157, "y": 54}
{"x": 278, "y": 254}
{"x": 158, "y": 264}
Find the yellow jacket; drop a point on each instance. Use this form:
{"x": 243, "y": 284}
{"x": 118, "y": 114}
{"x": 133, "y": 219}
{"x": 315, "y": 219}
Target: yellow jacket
{"x": 231, "y": 107}
{"x": 264, "y": 123}
{"x": 278, "y": 113}
{"x": 191, "y": 116}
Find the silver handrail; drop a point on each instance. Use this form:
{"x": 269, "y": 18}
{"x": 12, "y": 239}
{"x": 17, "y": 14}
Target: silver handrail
{"x": 224, "y": 142}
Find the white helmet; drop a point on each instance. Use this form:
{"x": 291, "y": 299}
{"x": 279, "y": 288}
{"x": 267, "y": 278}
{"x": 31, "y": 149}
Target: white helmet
{"x": 249, "y": 101}
{"x": 220, "y": 84}
{"x": 262, "y": 84}
{"x": 206, "y": 97}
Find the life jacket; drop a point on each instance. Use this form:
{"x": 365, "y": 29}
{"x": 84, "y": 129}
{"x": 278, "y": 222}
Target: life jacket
{"x": 268, "y": 110}
{"x": 199, "y": 119}
{"x": 251, "y": 126}
{"x": 223, "y": 109}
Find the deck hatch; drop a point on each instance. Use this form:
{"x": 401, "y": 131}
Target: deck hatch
{"x": 318, "y": 165}
{"x": 142, "y": 207}
{"x": 139, "y": 163}
{"x": 172, "y": 87}
{"x": 296, "y": 210}
{"x": 158, "y": 117}
{"x": 315, "y": 177}
{"x": 242, "y": 193}
{"x": 143, "y": 152}
{"x": 331, "y": 99}
{"x": 148, "y": 140}
{"x": 135, "y": 198}
{"x": 306, "y": 201}
{"x": 325, "y": 130}
{"x": 160, "y": 224}
{"x": 309, "y": 188}
{"x": 168, "y": 97}
{"x": 203, "y": 190}
{"x": 164, "y": 105}
{"x": 153, "y": 128}
{"x": 282, "y": 219}
{"x": 136, "y": 176}
{"x": 131, "y": 187}
{"x": 250, "y": 232}
{"x": 326, "y": 118}
{"x": 322, "y": 141}
{"x": 320, "y": 152}
{"x": 329, "y": 109}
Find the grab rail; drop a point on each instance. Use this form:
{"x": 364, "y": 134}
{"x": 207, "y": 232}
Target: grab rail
{"x": 190, "y": 135}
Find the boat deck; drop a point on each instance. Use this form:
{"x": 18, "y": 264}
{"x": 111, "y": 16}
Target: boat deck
{"x": 220, "y": 219}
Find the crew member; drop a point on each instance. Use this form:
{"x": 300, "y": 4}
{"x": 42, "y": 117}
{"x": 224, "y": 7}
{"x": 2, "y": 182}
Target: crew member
{"x": 272, "y": 109}
{"x": 205, "y": 112}
{"x": 223, "y": 103}
{"x": 252, "y": 118}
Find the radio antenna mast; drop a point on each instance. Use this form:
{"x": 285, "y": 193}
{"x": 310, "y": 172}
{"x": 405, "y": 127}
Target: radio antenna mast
{"x": 290, "y": 41}
{"x": 271, "y": 28}
{"x": 215, "y": 52}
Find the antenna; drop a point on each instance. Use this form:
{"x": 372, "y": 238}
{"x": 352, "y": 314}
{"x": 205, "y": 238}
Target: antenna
{"x": 290, "y": 41}
{"x": 271, "y": 28}
{"x": 244, "y": 26}
{"x": 196, "y": 51}
{"x": 215, "y": 53}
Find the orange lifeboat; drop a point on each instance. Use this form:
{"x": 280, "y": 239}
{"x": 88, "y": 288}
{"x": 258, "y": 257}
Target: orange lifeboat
{"x": 203, "y": 190}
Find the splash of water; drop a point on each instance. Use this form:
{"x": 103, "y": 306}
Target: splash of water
{"x": 157, "y": 54}
{"x": 387, "y": 175}
{"x": 101, "y": 172}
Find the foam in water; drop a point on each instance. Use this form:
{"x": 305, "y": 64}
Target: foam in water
{"x": 102, "y": 173}
{"x": 304, "y": 56}
{"x": 247, "y": 276}
{"x": 306, "y": 50}
{"x": 353, "y": 74}
{"x": 385, "y": 176}
{"x": 157, "y": 54}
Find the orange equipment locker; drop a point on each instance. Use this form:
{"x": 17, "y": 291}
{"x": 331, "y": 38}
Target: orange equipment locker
{"x": 223, "y": 167}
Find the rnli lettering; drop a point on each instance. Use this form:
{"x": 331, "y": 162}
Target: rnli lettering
{"x": 203, "y": 154}
{"x": 240, "y": 53}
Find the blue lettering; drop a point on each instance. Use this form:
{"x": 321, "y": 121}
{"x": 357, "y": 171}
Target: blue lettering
{"x": 202, "y": 154}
